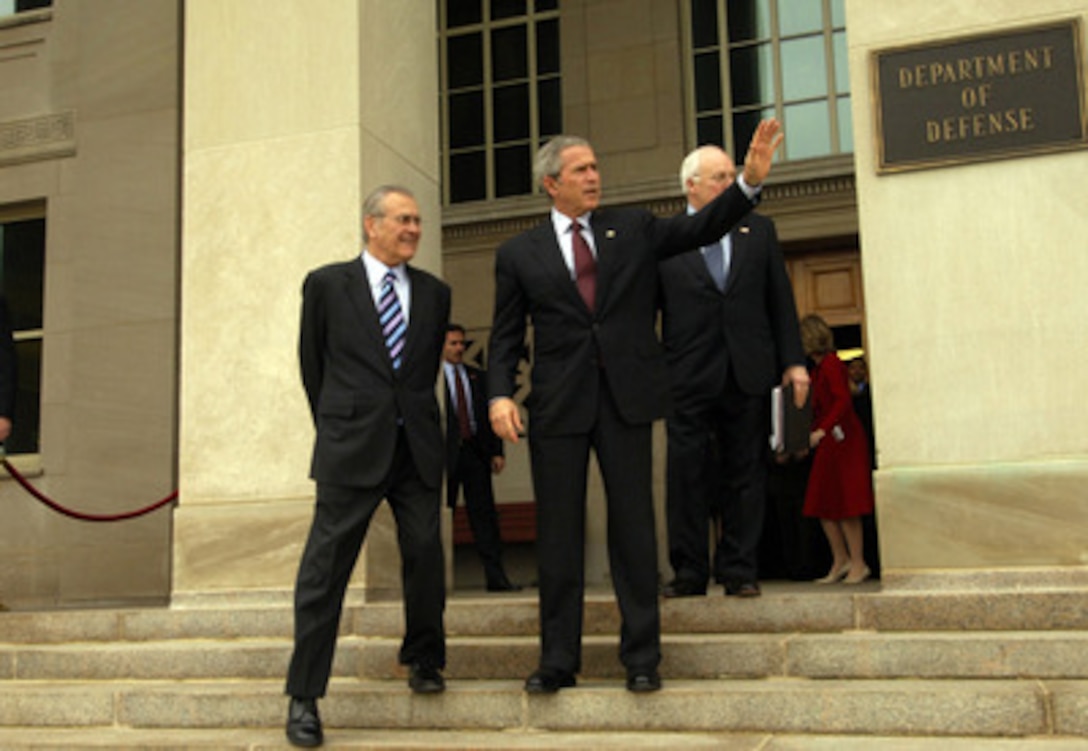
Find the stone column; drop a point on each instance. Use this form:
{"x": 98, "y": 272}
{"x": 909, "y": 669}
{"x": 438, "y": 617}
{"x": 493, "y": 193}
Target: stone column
{"x": 974, "y": 288}
{"x": 293, "y": 111}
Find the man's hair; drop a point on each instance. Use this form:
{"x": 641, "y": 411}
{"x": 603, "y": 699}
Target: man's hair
{"x": 374, "y": 205}
{"x": 549, "y": 157}
{"x": 689, "y": 168}
{"x": 455, "y": 327}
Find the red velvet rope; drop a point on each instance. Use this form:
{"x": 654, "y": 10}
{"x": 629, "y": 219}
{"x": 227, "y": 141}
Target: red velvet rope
{"x": 18, "y": 477}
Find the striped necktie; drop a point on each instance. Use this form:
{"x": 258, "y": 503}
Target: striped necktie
{"x": 391, "y": 317}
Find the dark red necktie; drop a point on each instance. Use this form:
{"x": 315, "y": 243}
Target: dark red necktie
{"x": 462, "y": 406}
{"x": 585, "y": 266}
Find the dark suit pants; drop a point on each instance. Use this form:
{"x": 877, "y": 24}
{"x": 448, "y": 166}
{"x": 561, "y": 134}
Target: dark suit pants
{"x": 341, "y": 518}
{"x": 474, "y": 473}
{"x": 560, "y": 464}
{"x": 716, "y": 466}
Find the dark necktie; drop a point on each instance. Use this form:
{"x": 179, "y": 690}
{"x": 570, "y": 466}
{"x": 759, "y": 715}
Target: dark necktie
{"x": 391, "y": 318}
{"x": 715, "y": 263}
{"x": 585, "y": 265}
{"x": 462, "y": 406}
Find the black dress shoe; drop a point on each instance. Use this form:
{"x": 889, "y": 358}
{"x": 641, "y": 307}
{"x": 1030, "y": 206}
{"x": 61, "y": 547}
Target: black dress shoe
{"x": 548, "y": 681}
{"x": 682, "y": 588}
{"x": 503, "y": 585}
{"x": 743, "y": 589}
{"x": 304, "y": 723}
{"x": 423, "y": 679}
{"x": 643, "y": 681}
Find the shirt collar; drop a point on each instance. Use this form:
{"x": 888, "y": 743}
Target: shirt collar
{"x": 376, "y": 270}
{"x": 561, "y": 221}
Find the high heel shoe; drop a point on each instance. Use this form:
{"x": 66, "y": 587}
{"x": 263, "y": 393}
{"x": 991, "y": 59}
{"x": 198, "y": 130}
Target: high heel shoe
{"x": 836, "y": 575}
{"x": 865, "y": 574}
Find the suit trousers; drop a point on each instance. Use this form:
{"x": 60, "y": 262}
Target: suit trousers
{"x": 560, "y": 464}
{"x": 341, "y": 518}
{"x": 716, "y": 467}
{"x": 473, "y": 473}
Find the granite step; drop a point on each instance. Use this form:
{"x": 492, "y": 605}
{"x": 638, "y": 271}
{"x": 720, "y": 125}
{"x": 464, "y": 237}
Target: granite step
{"x": 360, "y": 739}
{"x": 852, "y": 654}
{"x": 801, "y": 667}
{"x": 985, "y": 708}
{"x": 785, "y": 608}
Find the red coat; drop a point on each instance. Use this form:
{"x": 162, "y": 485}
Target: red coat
{"x": 840, "y": 485}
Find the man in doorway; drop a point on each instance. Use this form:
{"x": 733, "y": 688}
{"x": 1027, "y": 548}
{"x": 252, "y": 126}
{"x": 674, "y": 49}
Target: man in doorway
{"x": 729, "y": 326}
{"x": 473, "y": 453}
{"x": 586, "y": 279}
{"x": 370, "y": 345}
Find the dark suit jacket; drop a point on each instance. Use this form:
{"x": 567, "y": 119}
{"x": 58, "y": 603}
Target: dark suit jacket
{"x": 487, "y": 443}
{"x": 750, "y": 329}
{"x": 8, "y": 383}
{"x": 571, "y": 343}
{"x": 356, "y": 397}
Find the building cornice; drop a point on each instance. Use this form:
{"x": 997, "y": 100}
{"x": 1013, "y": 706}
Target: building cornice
{"x": 814, "y": 197}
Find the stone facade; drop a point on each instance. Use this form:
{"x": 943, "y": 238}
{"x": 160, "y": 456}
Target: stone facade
{"x": 181, "y": 221}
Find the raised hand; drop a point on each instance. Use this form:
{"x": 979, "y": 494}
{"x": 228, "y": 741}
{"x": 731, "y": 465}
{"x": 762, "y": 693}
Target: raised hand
{"x": 757, "y": 162}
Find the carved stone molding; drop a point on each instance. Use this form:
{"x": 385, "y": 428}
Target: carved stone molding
{"x": 810, "y": 206}
{"x": 45, "y": 137}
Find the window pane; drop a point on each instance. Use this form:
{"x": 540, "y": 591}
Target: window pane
{"x": 808, "y": 130}
{"x": 543, "y": 5}
{"x": 744, "y": 125}
{"x": 842, "y": 68}
{"x": 31, "y": 4}
{"x": 804, "y": 68}
{"x": 22, "y": 271}
{"x": 846, "y": 126}
{"x": 704, "y": 23}
{"x": 465, "y": 60}
{"x": 509, "y": 59}
{"x": 547, "y": 47}
{"x": 551, "y": 107}
{"x": 467, "y": 178}
{"x": 838, "y": 13}
{"x": 749, "y": 20}
{"x": 709, "y": 130}
{"x": 507, "y": 9}
{"x": 511, "y": 112}
{"x": 26, "y": 422}
{"x": 752, "y": 74}
{"x": 466, "y": 119}
{"x": 463, "y": 13}
{"x": 800, "y": 17}
{"x": 513, "y": 171}
{"x": 708, "y": 82}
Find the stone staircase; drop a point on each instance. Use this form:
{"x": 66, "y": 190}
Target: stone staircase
{"x": 803, "y": 667}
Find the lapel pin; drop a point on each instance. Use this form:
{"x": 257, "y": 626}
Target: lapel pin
{"x": 610, "y": 233}
{"x": 744, "y": 230}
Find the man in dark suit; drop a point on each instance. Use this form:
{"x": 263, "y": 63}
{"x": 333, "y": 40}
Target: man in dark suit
{"x": 370, "y": 346}
{"x": 8, "y": 383}
{"x": 729, "y": 326}
{"x": 587, "y": 280}
{"x": 473, "y": 452}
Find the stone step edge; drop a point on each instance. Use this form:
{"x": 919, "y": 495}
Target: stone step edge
{"x": 491, "y": 640}
{"x": 990, "y": 708}
{"x": 171, "y": 739}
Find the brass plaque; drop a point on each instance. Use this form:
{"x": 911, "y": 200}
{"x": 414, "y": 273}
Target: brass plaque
{"x": 992, "y": 96}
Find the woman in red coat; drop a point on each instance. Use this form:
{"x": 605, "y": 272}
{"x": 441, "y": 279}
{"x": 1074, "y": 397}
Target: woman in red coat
{"x": 840, "y": 489}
